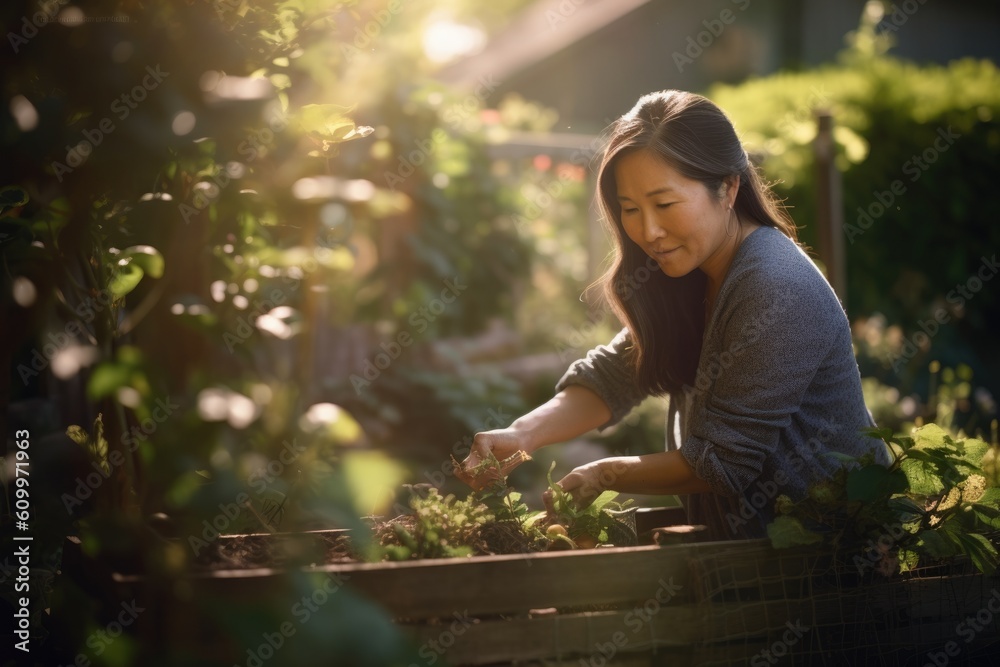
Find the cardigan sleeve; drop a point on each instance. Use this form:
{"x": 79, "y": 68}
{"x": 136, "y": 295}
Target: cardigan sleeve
{"x": 606, "y": 372}
{"x": 776, "y": 335}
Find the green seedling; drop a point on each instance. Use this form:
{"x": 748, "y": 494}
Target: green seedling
{"x": 597, "y": 521}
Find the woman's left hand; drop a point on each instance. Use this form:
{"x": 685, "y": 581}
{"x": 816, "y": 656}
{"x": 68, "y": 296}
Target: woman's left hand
{"x": 585, "y": 483}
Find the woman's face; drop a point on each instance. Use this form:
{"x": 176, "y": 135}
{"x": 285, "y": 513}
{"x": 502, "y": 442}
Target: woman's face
{"x": 674, "y": 219}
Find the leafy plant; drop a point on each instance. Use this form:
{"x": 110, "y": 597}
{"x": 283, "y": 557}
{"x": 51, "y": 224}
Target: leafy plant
{"x": 932, "y": 502}
{"x": 595, "y": 524}
{"x": 503, "y": 501}
{"x": 440, "y": 527}
{"x": 494, "y": 519}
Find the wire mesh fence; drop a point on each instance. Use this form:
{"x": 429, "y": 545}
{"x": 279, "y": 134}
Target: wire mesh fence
{"x": 809, "y": 607}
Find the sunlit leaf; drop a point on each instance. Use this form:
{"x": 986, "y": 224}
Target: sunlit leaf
{"x": 145, "y": 257}
{"x": 329, "y": 123}
{"x": 126, "y": 279}
{"x": 107, "y": 379}
{"x": 77, "y": 434}
{"x": 930, "y": 435}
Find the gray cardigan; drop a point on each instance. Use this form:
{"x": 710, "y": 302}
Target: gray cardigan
{"x": 777, "y": 387}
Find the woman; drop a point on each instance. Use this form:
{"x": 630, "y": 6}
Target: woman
{"x": 723, "y": 312}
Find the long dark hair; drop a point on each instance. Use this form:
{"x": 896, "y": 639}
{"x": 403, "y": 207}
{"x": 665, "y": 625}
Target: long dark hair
{"x": 664, "y": 314}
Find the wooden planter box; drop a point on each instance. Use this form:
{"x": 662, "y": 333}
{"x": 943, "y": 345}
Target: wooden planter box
{"x": 711, "y": 603}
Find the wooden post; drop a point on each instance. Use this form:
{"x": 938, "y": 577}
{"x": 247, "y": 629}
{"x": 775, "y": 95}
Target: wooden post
{"x": 829, "y": 206}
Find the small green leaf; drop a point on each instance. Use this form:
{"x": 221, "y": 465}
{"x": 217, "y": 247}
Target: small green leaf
{"x": 990, "y": 497}
{"x": 908, "y": 560}
{"x": 126, "y": 279}
{"x": 146, "y": 257}
{"x": 602, "y": 500}
{"x": 77, "y": 435}
{"x": 872, "y": 482}
{"x": 107, "y": 379}
{"x": 880, "y": 433}
{"x": 982, "y": 553}
{"x": 326, "y": 121}
{"x": 786, "y": 531}
{"x": 936, "y": 545}
{"x": 904, "y": 505}
{"x": 987, "y": 516}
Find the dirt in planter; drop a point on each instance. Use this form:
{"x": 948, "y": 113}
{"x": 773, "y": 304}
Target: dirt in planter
{"x": 488, "y": 539}
{"x": 253, "y": 551}
{"x": 507, "y": 537}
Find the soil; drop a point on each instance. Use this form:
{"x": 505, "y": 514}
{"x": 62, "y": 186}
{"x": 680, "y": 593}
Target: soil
{"x": 334, "y": 546}
{"x": 493, "y": 538}
{"x": 232, "y": 552}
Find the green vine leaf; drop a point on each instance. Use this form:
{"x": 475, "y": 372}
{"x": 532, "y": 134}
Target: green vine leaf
{"x": 786, "y": 531}
{"x": 936, "y": 544}
{"x": 872, "y": 482}
{"x": 979, "y": 550}
{"x": 126, "y": 279}
{"x": 146, "y": 257}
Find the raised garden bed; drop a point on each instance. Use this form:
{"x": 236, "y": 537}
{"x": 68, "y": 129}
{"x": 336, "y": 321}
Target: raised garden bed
{"x": 690, "y": 603}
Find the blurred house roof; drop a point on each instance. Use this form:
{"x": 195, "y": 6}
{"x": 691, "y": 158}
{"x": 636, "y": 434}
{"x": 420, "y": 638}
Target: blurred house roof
{"x": 590, "y": 60}
{"x": 537, "y": 33}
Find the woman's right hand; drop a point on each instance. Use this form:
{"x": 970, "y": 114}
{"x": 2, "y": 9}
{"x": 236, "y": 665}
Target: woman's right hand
{"x": 502, "y": 443}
